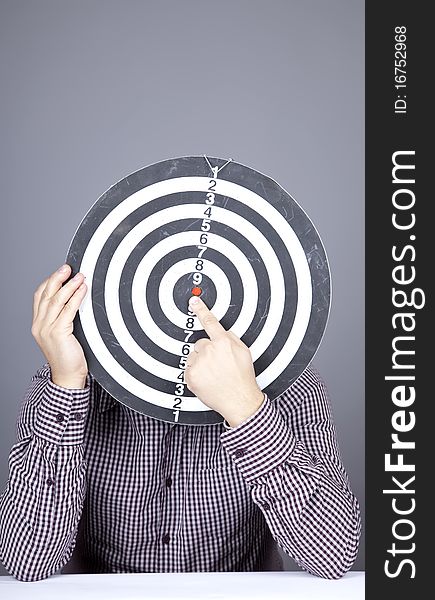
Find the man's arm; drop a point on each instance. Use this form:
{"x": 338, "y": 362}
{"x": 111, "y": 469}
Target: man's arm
{"x": 287, "y": 451}
{"x": 41, "y": 505}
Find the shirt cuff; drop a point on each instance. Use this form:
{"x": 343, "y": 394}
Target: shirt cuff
{"x": 228, "y": 426}
{"x": 261, "y": 443}
{"x": 61, "y": 416}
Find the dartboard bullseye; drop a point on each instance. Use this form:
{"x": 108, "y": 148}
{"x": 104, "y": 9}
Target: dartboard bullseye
{"x": 196, "y": 226}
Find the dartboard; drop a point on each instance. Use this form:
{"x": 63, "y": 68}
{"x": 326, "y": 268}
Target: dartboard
{"x": 204, "y": 226}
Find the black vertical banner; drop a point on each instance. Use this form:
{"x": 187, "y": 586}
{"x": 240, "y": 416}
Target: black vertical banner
{"x": 400, "y": 266}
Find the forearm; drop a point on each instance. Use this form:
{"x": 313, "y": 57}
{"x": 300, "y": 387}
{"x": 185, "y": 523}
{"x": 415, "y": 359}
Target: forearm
{"x": 42, "y": 503}
{"x": 40, "y": 509}
{"x": 306, "y": 500}
{"x": 314, "y": 520}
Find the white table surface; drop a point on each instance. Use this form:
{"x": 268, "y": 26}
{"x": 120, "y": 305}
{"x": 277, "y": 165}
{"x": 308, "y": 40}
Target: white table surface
{"x": 180, "y": 586}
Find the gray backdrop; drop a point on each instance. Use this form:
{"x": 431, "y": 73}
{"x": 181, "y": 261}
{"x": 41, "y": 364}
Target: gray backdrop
{"x": 95, "y": 89}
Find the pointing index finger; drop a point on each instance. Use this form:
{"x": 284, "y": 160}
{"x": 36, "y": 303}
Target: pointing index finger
{"x": 207, "y": 319}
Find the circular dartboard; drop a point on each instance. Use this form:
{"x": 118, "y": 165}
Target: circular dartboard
{"x": 203, "y": 226}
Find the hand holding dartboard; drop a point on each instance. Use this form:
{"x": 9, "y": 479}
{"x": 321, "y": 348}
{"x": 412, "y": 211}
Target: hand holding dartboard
{"x": 196, "y": 226}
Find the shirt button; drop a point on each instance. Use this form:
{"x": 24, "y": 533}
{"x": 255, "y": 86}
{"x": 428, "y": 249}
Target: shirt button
{"x": 49, "y": 482}
{"x": 60, "y": 418}
{"x": 239, "y": 453}
{"x": 266, "y": 506}
{"x": 166, "y": 538}
{"x": 78, "y": 416}
{"x": 168, "y": 482}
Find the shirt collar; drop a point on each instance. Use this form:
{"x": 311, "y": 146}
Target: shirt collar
{"x": 105, "y": 401}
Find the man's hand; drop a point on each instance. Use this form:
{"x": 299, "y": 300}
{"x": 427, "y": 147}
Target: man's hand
{"x": 54, "y": 309}
{"x": 220, "y": 371}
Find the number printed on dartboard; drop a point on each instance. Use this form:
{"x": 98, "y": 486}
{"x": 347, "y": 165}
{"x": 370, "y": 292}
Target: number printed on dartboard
{"x": 197, "y": 278}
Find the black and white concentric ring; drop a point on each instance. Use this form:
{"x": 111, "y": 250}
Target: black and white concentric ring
{"x": 139, "y": 252}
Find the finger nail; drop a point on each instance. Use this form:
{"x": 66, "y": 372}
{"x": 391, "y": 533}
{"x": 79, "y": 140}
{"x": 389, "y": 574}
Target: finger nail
{"x": 76, "y": 276}
{"x": 194, "y": 300}
{"x": 63, "y": 269}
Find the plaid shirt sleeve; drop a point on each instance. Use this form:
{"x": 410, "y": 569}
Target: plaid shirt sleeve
{"x": 287, "y": 452}
{"x": 41, "y": 506}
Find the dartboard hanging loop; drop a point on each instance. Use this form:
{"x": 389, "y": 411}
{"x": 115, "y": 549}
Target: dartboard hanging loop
{"x": 215, "y": 170}
{"x": 168, "y": 231}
